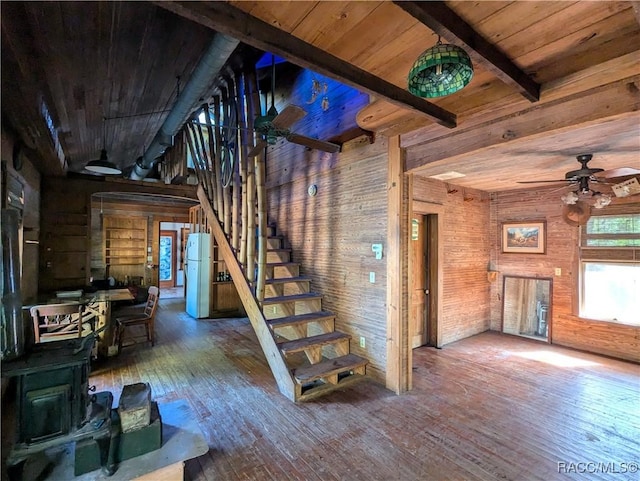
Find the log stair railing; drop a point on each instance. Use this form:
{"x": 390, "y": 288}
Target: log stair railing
{"x": 305, "y": 353}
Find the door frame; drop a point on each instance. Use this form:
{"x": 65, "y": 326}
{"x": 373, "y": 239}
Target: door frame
{"x": 418, "y": 323}
{"x": 427, "y": 242}
{"x": 174, "y": 259}
{"x": 434, "y": 335}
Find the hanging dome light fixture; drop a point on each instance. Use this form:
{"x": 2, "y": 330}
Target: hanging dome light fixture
{"x": 103, "y": 165}
{"x": 440, "y": 70}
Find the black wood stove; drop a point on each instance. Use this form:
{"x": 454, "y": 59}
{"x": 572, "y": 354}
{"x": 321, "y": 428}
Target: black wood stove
{"x": 55, "y": 404}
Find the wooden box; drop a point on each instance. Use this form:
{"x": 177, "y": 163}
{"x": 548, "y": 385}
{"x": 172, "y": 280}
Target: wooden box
{"x": 135, "y": 406}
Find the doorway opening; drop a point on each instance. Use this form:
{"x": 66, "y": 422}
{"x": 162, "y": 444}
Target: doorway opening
{"x": 171, "y": 259}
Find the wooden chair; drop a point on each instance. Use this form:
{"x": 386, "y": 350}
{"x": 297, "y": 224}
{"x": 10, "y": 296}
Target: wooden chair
{"x": 145, "y": 318}
{"x": 53, "y": 322}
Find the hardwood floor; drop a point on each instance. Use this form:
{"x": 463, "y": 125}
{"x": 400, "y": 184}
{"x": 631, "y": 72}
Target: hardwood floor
{"x": 490, "y": 407}
{"x": 172, "y": 292}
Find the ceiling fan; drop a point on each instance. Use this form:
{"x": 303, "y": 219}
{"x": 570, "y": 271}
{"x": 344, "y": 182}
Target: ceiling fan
{"x": 274, "y": 125}
{"x": 576, "y": 210}
{"x": 585, "y": 175}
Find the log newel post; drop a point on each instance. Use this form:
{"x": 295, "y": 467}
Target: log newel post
{"x": 224, "y": 159}
{"x": 262, "y": 225}
{"x": 217, "y": 134}
{"x": 254, "y": 107}
{"x": 212, "y": 164}
{"x": 244, "y": 149}
{"x": 233, "y": 135}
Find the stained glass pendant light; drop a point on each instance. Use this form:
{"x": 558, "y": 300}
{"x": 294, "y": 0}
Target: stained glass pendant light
{"x": 440, "y": 70}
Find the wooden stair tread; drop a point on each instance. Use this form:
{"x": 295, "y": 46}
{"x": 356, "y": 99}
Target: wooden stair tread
{"x": 301, "y": 319}
{"x": 328, "y": 367}
{"x": 320, "y": 340}
{"x": 281, "y": 264}
{"x": 307, "y": 296}
{"x": 281, "y": 280}
{"x": 325, "y": 388}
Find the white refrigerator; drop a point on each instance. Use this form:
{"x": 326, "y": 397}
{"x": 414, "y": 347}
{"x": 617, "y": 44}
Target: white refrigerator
{"x": 198, "y": 273}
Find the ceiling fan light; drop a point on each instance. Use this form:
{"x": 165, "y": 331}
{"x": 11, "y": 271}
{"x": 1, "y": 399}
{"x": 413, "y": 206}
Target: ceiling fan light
{"x": 102, "y": 165}
{"x": 440, "y": 70}
{"x": 569, "y": 198}
{"x": 602, "y": 200}
{"x": 271, "y": 139}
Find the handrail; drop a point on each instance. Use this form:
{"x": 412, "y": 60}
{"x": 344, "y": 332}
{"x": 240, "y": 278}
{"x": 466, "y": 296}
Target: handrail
{"x": 237, "y": 237}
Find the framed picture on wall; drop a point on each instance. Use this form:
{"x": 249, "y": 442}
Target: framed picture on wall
{"x": 524, "y": 237}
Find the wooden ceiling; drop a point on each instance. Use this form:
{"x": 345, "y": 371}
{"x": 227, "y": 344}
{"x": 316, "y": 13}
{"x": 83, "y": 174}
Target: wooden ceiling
{"x": 106, "y": 71}
{"x": 552, "y": 79}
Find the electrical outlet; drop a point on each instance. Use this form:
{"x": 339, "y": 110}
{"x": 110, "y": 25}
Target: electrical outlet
{"x": 362, "y": 342}
{"x": 558, "y": 271}
{"x": 372, "y": 277}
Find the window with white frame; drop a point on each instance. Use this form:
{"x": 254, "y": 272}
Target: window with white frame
{"x": 610, "y": 268}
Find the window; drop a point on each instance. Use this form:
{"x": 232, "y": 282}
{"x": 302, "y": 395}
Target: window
{"x": 610, "y": 268}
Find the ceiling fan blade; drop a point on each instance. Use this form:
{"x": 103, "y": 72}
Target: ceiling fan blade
{"x": 260, "y": 145}
{"x": 289, "y": 116}
{"x": 540, "y": 181}
{"x": 313, "y": 143}
{"x": 619, "y": 172}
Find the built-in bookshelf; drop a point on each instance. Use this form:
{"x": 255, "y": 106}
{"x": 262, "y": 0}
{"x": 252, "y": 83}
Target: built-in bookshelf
{"x": 125, "y": 247}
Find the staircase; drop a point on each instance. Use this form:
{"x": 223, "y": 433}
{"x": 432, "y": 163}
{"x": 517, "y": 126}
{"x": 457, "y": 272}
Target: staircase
{"x": 318, "y": 356}
{"x": 307, "y": 356}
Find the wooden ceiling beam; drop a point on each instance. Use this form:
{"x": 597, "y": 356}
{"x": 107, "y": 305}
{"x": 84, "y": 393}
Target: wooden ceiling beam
{"x": 229, "y": 20}
{"x": 379, "y": 116}
{"x": 595, "y": 106}
{"x": 446, "y": 23}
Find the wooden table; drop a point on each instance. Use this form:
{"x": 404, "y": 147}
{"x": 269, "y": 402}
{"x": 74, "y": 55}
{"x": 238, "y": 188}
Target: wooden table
{"x": 97, "y": 304}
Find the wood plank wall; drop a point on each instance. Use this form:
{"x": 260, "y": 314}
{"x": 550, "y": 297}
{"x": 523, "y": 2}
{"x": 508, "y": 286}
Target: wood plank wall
{"x": 331, "y": 234}
{"x": 293, "y": 86}
{"x": 465, "y": 253}
{"x": 66, "y": 213}
{"x": 64, "y": 237}
{"x": 29, "y": 177}
{"x": 566, "y": 327}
